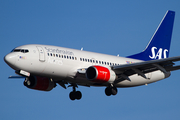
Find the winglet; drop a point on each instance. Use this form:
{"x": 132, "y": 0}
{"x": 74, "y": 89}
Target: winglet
{"x": 159, "y": 45}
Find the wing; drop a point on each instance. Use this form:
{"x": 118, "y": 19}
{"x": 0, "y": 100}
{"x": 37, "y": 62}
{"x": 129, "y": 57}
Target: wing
{"x": 141, "y": 68}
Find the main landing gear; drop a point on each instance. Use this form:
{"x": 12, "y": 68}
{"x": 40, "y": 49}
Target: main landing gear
{"x": 75, "y": 94}
{"x": 111, "y": 90}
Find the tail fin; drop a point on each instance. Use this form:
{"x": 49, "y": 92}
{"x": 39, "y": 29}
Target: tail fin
{"x": 159, "y": 44}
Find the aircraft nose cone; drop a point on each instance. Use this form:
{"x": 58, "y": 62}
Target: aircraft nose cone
{"x": 10, "y": 59}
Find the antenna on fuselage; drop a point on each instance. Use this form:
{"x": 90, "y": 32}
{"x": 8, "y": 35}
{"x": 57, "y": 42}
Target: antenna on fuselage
{"x": 82, "y": 49}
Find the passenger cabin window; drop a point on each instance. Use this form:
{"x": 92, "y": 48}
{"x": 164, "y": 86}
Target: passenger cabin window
{"x": 72, "y": 58}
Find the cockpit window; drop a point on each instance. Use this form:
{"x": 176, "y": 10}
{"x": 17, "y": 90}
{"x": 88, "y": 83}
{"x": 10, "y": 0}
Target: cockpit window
{"x": 24, "y": 50}
{"x": 21, "y": 50}
{"x": 16, "y": 50}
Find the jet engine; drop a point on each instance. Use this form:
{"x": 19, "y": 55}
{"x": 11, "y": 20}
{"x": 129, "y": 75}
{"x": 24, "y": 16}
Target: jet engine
{"x": 39, "y": 83}
{"x": 100, "y": 74}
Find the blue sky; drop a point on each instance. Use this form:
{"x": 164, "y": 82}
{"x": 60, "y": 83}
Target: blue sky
{"x": 104, "y": 26}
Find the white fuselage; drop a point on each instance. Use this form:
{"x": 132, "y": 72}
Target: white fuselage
{"x": 61, "y": 63}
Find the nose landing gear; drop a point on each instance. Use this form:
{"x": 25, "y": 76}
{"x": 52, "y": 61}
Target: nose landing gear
{"x": 75, "y": 94}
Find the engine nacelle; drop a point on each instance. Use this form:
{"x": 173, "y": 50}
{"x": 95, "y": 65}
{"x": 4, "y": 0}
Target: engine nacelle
{"x": 100, "y": 74}
{"x": 39, "y": 83}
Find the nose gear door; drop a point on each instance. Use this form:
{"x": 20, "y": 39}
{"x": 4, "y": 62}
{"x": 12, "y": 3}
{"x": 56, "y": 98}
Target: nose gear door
{"x": 41, "y": 54}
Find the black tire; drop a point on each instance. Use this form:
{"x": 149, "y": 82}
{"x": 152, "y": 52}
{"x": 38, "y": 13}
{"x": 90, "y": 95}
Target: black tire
{"x": 108, "y": 91}
{"x": 25, "y": 83}
{"x": 113, "y": 90}
{"x": 72, "y": 95}
{"x": 78, "y": 95}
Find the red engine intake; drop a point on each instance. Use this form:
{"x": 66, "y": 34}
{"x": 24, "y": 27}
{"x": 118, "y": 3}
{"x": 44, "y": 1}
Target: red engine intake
{"x": 100, "y": 74}
{"x": 39, "y": 83}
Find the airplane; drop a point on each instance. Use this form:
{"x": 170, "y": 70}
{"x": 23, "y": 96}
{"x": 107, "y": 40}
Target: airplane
{"x": 45, "y": 66}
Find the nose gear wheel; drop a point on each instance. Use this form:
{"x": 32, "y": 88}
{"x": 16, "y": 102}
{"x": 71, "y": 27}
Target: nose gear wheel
{"x": 75, "y": 94}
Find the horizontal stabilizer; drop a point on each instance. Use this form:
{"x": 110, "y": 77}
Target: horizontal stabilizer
{"x": 12, "y": 77}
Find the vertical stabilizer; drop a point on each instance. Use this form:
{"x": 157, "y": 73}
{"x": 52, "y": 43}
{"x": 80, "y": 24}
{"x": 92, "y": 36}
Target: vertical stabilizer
{"x": 159, "y": 45}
